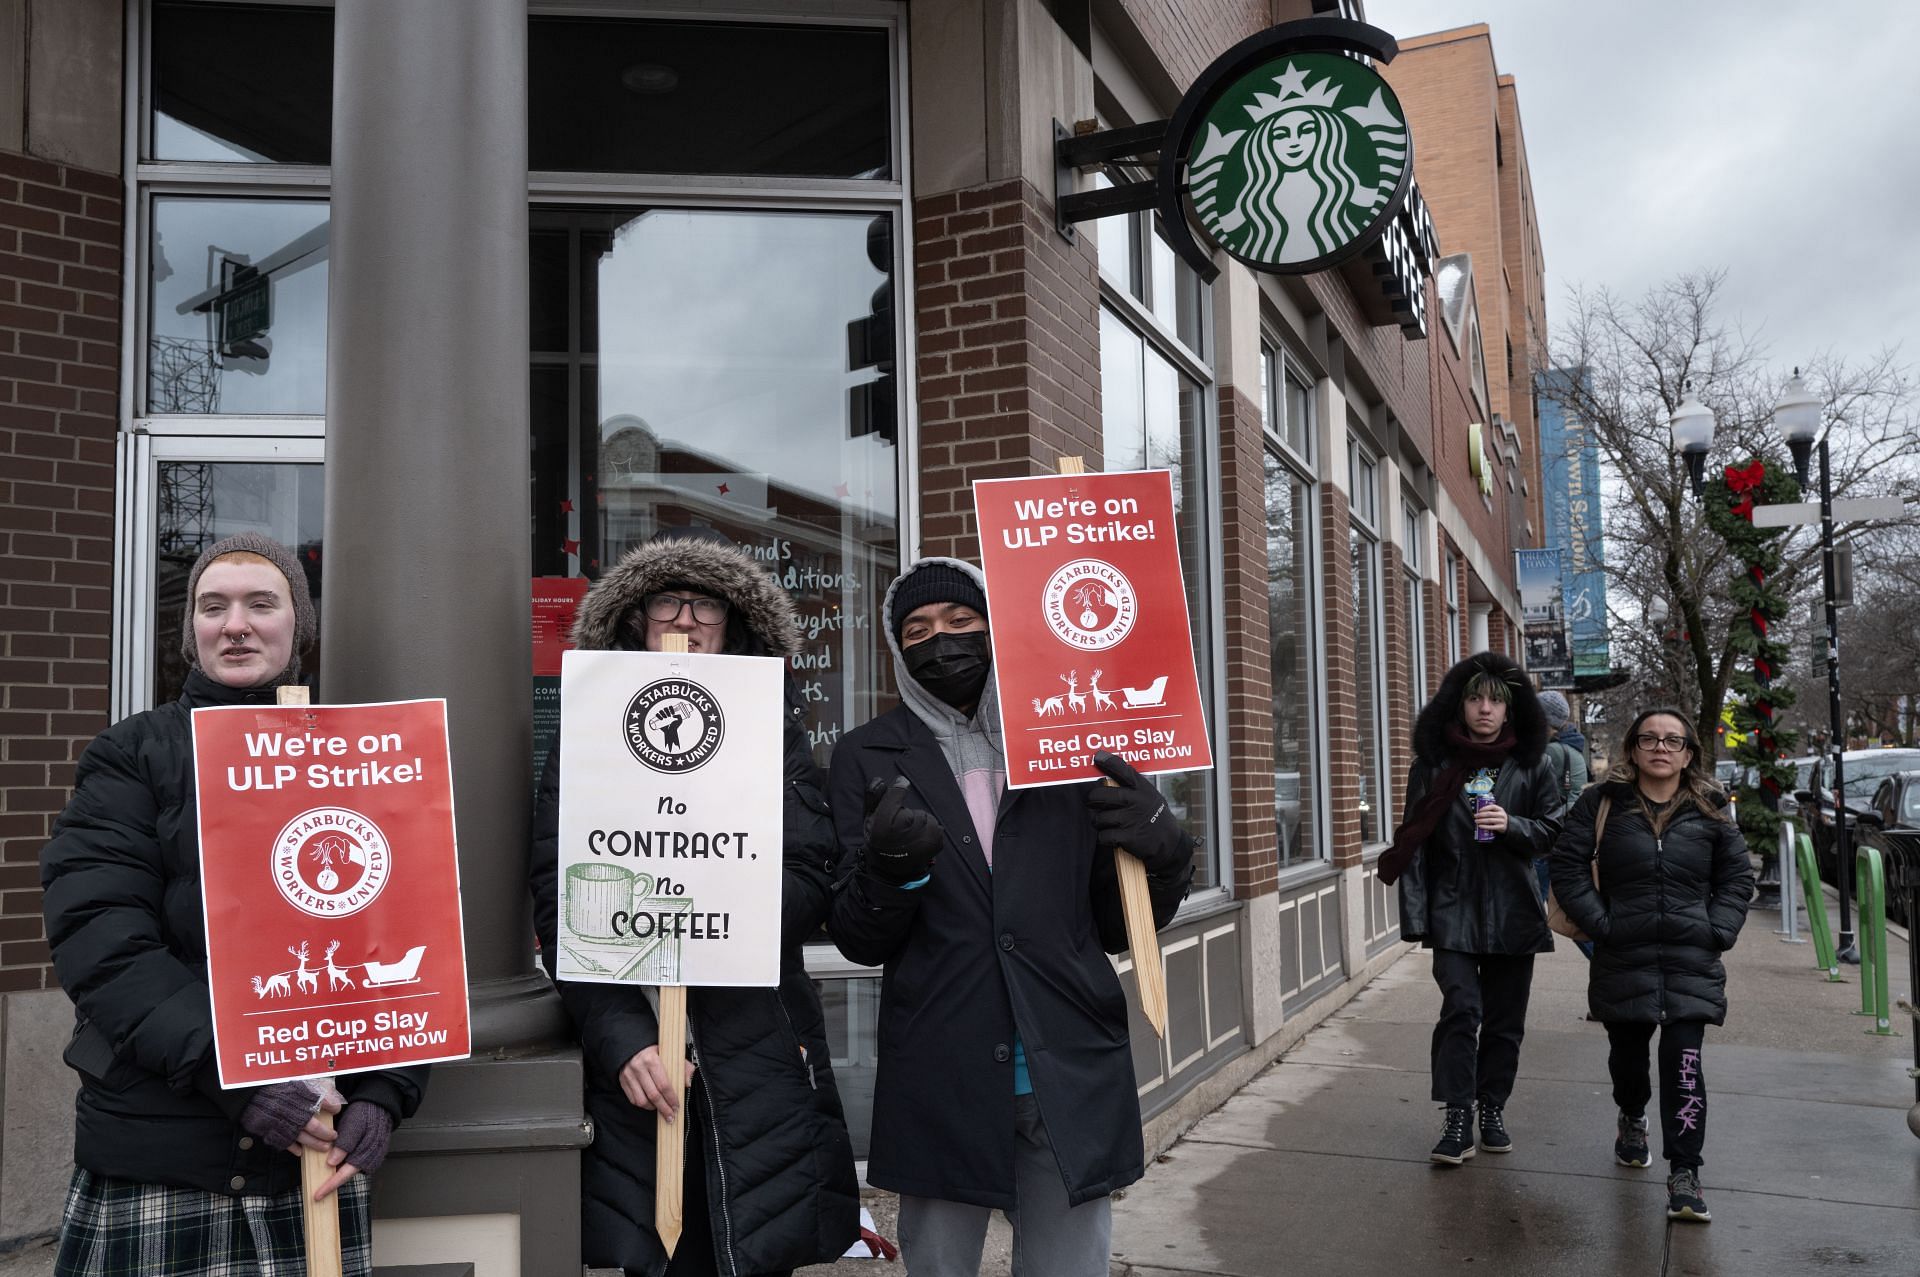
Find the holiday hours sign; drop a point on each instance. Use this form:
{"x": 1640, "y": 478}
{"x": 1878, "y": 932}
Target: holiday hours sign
{"x": 331, "y": 885}
{"x": 1087, "y": 608}
{"x": 670, "y": 818}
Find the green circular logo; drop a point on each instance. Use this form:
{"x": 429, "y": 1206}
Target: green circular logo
{"x": 1298, "y": 160}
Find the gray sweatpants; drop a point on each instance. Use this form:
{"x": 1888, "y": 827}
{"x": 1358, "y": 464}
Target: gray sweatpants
{"x": 1050, "y": 1239}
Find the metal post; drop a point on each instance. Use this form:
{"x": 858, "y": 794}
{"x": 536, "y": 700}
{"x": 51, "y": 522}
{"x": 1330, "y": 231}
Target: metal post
{"x": 1789, "y": 931}
{"x": 1842, "y": 859}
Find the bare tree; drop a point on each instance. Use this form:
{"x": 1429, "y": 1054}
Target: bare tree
{"x": 1638, "y": 359}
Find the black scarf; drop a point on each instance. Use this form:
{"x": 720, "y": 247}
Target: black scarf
{"x": 1464, "y": 754}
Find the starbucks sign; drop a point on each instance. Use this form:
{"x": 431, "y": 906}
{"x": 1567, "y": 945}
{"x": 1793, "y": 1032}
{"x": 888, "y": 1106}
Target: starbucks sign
{"x": 1299, "y": 162}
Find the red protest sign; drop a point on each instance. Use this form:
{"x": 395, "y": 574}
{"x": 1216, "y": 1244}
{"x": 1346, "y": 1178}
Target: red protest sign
{"x": 1092, "y": 648}
{"x": 331, "y": 886}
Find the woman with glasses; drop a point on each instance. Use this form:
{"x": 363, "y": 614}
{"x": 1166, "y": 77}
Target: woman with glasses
{"x": 769, "y": 1181}
{"x": 1651, "y": 867}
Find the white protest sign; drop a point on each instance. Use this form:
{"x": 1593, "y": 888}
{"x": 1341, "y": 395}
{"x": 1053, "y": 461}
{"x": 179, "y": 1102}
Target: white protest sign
{"x": 670, "y": 818}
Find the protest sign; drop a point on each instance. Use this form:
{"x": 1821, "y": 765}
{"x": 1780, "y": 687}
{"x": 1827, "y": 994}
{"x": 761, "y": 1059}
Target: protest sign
{"x": 331, "y": 886}
{"x": 670, "y": 819}
{"x": 1092, "y": 645}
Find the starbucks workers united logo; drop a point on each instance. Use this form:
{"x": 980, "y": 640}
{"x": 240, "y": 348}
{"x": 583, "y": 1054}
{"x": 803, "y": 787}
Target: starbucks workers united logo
{"x": 1298, "y": 160}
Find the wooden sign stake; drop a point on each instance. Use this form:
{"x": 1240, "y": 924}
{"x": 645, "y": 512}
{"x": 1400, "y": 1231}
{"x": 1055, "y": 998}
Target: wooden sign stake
{"x": 669, "y": 1138}
{"x": 1149, "y": 977}
{"x": 322, "y": 1218}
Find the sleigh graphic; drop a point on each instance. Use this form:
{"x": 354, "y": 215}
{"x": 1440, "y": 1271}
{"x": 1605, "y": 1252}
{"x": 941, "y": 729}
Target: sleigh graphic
{"x": 1154, "y": 694}
{"x": 405, "y": 971}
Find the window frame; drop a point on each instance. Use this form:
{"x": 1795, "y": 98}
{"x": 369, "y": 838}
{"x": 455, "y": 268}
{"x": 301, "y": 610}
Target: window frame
{"x": 1363, "y": 519}
{"x": 1413, "y": 549}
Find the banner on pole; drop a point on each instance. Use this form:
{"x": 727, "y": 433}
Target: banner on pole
{"x": 1543, "y": 616}
{"x": 670, "y": 818}
{"x": 330, "y": 879}
{"x": 1092, "y": 641}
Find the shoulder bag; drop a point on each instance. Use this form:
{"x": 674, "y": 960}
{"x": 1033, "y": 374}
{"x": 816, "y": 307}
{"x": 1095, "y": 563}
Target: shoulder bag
{"x": 1557, "y": 918}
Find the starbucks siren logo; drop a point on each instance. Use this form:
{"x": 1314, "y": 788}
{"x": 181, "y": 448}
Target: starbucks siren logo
{"x": 1293, "y": 177}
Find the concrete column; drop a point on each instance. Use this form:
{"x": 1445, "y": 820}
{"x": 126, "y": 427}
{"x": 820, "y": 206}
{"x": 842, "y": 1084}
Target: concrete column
{"x": 1477, "y": 627}
{"x": 428, "y": 561}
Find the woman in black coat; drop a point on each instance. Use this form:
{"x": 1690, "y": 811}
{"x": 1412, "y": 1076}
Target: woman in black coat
{"x": 770, "y": 1181}
{"x": 1482, "y": 801}
{"x": 173, "y": 1174}
{"x": 1673, "y": 884}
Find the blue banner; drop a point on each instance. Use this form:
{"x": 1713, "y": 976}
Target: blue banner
{"x": 1570, "y": 473}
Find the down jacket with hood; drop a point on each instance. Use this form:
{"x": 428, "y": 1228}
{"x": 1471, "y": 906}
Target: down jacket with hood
{"x": 1482, "y": 897}
{"x": 980, "y": 954}
{"x": 1668, "y": 905}
{"x": 779, "y": 1176}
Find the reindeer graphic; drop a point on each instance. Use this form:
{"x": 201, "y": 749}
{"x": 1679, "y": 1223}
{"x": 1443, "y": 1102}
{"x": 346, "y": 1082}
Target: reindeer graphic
{"x": 1101, "y": 700}
{"x": 337, "y": 978}
{"x": 1076, "y": 699}
{"x": 309, "y": 981}
{"x": 274, "y": 986}
{"x": 1049, "y": 707}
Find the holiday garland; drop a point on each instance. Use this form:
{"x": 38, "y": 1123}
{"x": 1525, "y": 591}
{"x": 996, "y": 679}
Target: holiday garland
{"x": 1757, "y": 702}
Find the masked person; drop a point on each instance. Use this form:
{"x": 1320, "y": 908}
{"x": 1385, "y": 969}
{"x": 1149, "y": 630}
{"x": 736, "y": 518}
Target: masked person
{"x": 173, "y": 1175}
{"x": 1005, "y": 1078}
{"x": 1652, "y": 867}
{"x": 1482, "y": 803}
{"x": 769, "y": 1183}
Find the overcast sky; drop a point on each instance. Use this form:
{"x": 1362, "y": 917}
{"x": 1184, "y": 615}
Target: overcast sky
{"x": 1770, "y": 138}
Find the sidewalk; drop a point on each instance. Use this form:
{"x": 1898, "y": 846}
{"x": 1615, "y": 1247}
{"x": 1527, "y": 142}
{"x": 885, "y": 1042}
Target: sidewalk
{"x": 1320, "y": 1164}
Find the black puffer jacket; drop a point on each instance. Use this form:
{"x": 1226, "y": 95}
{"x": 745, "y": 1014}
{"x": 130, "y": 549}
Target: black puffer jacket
{"x": 1667, "y": 907}
{"x": 1482, "y": 897}
{"x": 779, "y": 1165}
{"x": 122, "y": 879}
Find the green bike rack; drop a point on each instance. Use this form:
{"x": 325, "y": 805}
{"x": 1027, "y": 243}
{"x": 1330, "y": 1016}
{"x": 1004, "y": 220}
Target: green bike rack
{"x": 1871, "y": 877}
{"x": 1816, "y": 909}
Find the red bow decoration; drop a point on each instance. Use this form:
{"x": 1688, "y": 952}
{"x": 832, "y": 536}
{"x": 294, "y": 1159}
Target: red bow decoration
{"x": 1752, "y": 477}
{"x": 1744, "y": 508}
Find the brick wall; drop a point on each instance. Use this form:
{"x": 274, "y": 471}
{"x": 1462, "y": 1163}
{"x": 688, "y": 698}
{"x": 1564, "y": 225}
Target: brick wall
{"x": 1243, "y": 559}
{"x": 1188, "y": 34}
{"x": 1400, "y": 706}
{"x": 59, "y": 357}
{"x": 1343, "y": 751}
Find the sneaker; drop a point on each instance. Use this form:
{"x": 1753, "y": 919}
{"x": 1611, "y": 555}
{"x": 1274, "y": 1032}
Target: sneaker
{"x": 1630, "y": 1146}
{"x": 1456, "y": 1142}
{"x": 1493, "y": 1129}
{"x": 1683, "y": 1197}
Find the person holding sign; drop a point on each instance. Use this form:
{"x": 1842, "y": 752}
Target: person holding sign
{"x": 1482, "y": 801}
{"x": 1005, "y": 1077}
{"x": 174, "y": 1175}
{"x": 770, "y": 1179}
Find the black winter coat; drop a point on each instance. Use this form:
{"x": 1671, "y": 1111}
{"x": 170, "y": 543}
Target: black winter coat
{"x": 1667, "y": 907}
{"x": 975, "y": 956}
{"x": 1482, "y": 897}
{"x": 122, "y": 880}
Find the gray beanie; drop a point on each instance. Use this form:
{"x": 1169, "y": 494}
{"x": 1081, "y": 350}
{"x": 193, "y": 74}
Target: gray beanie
{"x": 1554, "y": 706}
{"x": 304, "y": 626}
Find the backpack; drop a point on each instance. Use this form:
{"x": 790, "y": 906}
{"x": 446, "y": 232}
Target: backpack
{"x": 1562, "y": 756}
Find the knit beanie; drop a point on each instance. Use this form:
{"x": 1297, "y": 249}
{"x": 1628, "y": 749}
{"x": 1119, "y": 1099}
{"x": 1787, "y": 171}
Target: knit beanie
{"x": 1554, "y": 706}
{"x": 933, "y": 583}
{"x": 304, "y": 626}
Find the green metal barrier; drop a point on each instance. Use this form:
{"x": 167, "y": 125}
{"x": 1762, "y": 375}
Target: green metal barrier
{"x": 1816, "y": 910}
{"x": 1871, "y": 875}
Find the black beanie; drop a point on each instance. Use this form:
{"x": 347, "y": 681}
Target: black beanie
{"x": 933, "y": 583}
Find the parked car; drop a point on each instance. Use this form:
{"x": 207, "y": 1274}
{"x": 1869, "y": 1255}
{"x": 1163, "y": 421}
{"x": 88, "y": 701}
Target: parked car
{"x": 1891, "y": 822}
{"x": 1865, "y": 769}
{"x": 1802, "y": 777}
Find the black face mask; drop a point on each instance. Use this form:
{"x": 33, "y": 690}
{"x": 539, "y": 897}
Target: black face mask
{"x": 952, "y": 667}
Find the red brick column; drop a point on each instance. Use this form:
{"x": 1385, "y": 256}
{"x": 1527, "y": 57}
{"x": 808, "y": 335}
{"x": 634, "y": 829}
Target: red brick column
{"x": 1343, "y": 750}
{"x": 59, "y": 357}
{"x": 1399, "y": 709}
{"x": 1243, "y": 559}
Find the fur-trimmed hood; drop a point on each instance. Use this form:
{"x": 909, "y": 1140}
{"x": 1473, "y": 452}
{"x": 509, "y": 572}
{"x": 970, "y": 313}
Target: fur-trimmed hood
{"x": 1529, "y": 721}
{"x": 761, "y": 621}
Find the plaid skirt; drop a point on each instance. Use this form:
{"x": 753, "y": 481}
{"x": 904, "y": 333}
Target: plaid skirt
{"x": 122, "y": 1228}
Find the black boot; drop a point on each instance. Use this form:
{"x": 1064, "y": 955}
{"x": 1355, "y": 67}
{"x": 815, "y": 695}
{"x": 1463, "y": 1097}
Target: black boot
{"x": 1456, "y": 1142}
{"x": 1493, "y": 1128}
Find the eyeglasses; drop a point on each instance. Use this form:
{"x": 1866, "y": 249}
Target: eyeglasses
{"x": 667, "y": 607}
{"x": 1672, "y": 744}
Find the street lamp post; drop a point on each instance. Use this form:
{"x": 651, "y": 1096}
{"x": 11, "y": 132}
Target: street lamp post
{"x": 1797, "y": 416}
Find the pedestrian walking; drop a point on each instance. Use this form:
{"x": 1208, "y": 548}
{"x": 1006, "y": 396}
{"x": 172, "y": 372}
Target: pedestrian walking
{"x": 769, "y": 1181}
{"x": 174, "y": 1175}
{"x": 1482, "y": 802}
{"x": 1567, "y": 751}
{"x": 1650, "y": 865}
{"x": 1005, "y": 1078}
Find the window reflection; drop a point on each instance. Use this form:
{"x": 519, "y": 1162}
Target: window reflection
{"x": 667, "y": 395}
{"x": 238, "y": 298}
{"x": 242, "y": 83}
{"x": 852, "y": 1008}
{"x": 1366, "y": 657}
{"x": 202, "y": 502}
{"x": 1290, "y": 578}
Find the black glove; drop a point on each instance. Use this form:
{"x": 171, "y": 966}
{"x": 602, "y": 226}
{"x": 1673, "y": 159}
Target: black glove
{"x": 362, "y": 1133}
{"x": 901, "y": 842}
{"x": 1132, "y": 814}
{"x": 278, "y": 1114}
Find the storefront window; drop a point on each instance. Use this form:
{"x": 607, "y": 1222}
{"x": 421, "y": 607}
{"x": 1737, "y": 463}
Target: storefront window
{"x": 1368, "y": 652}
{"x": 1415, "y": 548}
{"x": 1293, "y": 662}
{"x": 660, "y": 400}
{"x": 242, "y": 83}
{"x": 852, "y": 1007}
{"x": 623, "y": 95}
{"x": 237, "y": 307}
{"x": 1452, "y": 587}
